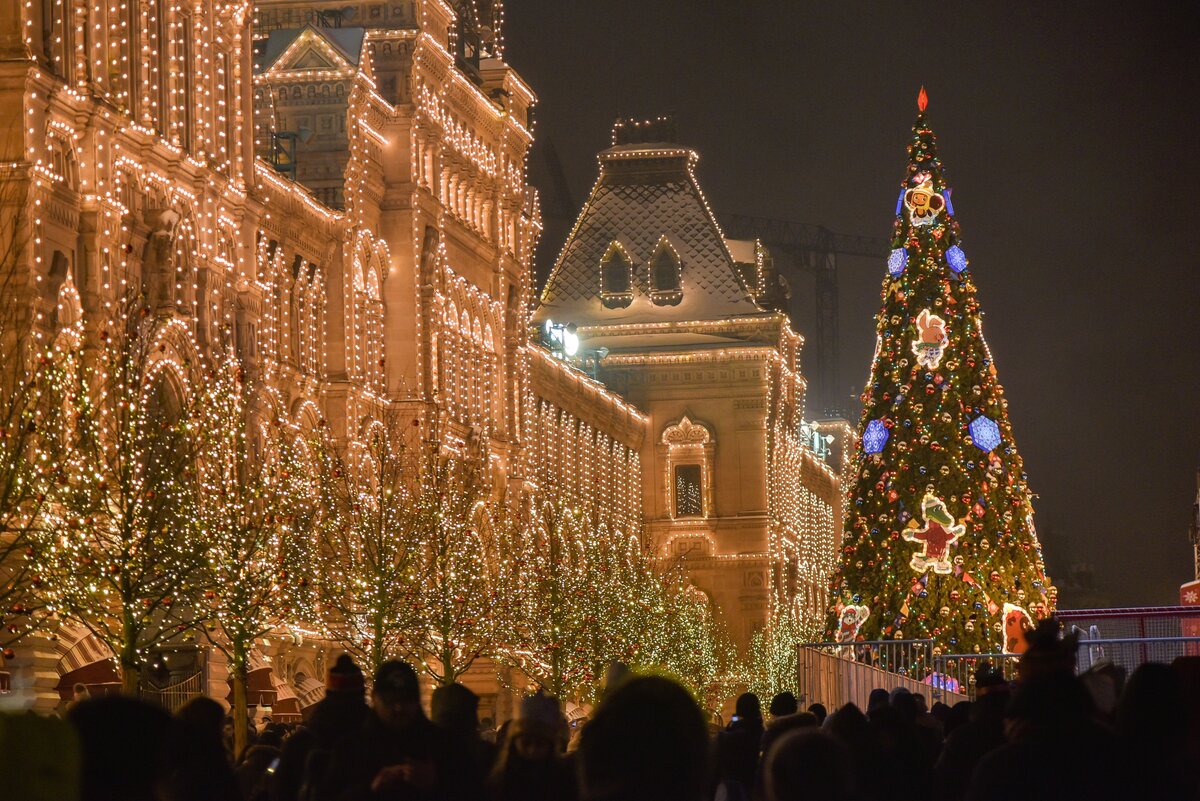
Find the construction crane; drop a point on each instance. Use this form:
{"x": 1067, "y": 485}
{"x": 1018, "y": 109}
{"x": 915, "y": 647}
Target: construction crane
{"x": 801, "y": 247}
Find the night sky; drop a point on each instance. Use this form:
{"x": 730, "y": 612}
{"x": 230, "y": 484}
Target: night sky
{"x": 1071, "y": 135}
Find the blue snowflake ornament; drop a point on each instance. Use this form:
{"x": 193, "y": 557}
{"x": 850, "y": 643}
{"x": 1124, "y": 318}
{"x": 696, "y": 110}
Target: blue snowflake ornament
{"x": 956, "y": 259}
{"x": 984, "y": 433}
{"x": 874, "y": 437}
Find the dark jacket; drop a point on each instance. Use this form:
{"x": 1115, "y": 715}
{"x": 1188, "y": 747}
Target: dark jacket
{"x": 336, "y": 716}
{"x": 737, "y": 752}
{"x": 359, "y": 758}
{"x": 519, "y": 780}
{"x": 968, "y": 744}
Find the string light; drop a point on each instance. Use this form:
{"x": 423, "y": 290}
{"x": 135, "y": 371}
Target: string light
{"x": 148, "y": 117}
{"x": 936, "y": 463}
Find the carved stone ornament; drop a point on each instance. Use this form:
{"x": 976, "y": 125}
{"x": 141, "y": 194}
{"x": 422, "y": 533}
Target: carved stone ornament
{"x": 686, "y": 432}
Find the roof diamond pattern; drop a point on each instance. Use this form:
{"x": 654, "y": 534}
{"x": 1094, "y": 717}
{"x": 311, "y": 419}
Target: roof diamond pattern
{"x": 637, "y": 208}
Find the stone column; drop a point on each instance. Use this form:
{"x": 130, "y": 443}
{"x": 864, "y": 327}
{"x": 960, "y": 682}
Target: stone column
{"x": 34, "y": 682}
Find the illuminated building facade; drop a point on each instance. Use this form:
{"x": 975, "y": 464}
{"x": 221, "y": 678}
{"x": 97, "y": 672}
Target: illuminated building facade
{"x": 337, "y": 191}
{"x": 683, "y": 324}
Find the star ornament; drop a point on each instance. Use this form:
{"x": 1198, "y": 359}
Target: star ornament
{"x": 936, "y": 536}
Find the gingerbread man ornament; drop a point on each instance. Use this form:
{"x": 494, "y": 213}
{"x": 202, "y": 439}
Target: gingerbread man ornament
{"x": 937, "y": 535}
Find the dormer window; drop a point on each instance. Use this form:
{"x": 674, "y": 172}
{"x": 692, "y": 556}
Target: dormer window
{"x": 616, "y": 277}
{"x": 665, "y": 275}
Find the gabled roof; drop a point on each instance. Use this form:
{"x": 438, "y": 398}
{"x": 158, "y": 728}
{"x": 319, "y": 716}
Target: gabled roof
{"x": 646, "y": 192}
{"x": 330, "y": 46}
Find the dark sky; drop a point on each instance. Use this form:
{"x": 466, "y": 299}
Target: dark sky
{"x": 1071, "y": 134}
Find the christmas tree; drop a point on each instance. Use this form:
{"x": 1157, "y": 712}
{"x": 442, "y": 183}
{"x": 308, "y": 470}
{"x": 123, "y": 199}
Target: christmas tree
{"x": 939, "y": 537}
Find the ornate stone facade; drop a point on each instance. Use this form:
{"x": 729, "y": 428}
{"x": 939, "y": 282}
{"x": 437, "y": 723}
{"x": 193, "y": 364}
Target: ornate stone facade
{"x": 337, "y": 191}
{"x": 681, "y": 323}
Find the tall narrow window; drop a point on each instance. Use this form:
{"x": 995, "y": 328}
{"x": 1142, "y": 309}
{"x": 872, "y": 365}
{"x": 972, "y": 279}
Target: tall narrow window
{"x": 616, "y": 277}
{"x": 689, "y": 492}
{"x": 225, "y": 113}
{"x": 185, "y": 95}
{"x": 665, "y": 273}
{"x": 160, "y": 57}
{"x": 131, "y": 60}
{"x": 58, "y": 37}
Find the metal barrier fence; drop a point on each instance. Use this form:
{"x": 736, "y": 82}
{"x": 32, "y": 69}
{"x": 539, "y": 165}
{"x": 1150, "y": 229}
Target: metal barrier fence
{"x": 1139, "y": 622}
{"x": 835, "y": 674}
{"x": 173, "y": 697}
{"x": 839, "y": 673}
{"x": 1129, "y": 652}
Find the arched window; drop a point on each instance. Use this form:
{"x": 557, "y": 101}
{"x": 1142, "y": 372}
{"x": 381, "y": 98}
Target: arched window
{"x": 616, "y": 277}
{"x": 688, "y": 448}
{"x": 665, "y": 275}
{"x": 371, "y": 312}
{"x": 62, "y": 161}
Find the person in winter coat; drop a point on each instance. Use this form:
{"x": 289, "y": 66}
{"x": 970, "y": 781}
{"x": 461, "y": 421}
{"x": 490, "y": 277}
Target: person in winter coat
{"x": 398, "y": 754}
{"x": 341, "y": 712}
{"x": 456, "y": 709}
{"x": 737, "y": 748}
{"x": 647, "y": 742}
{"x": 200, "y": 769}
{"x": 123, "y": 745}
{"x": 970, "y": 742}
{"x": 1050, "y": 723}
{"x": 531, "y": 765}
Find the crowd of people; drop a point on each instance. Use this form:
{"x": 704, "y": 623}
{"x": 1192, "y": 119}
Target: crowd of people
{"x": 1048, "y": 734}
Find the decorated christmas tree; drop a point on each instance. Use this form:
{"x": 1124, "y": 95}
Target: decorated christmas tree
{"x": 939, "y": 538}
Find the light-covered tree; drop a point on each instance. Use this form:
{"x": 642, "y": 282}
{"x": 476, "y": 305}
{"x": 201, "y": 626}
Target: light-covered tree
{"x": 29, "y": 351}
{"x": 939, "y": 538}
{"x": 119, "y": 554}
{"x": 771, "y": 659}
{"x": 545, "y": 626}
{"x": 455, "y": 595}
{"x": 243, "y": 472}
{"x": 369, "y": 516}
{"x": 690, "y": 640}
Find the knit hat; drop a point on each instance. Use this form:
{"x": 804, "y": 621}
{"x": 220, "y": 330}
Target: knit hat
{"x": 396, "y": 680}
{"x": 344, "y": 676}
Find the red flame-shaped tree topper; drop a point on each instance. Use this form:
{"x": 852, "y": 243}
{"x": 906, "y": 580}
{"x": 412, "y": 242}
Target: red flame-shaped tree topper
{"x": 922, "y": 100}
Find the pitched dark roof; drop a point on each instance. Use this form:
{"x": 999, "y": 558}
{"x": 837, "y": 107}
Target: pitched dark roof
{"x": 646, "y": 192}
{"x": 347, "y": 42}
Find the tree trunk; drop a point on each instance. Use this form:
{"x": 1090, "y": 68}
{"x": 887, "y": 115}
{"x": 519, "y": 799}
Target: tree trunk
{"x": 130, "y": 669}
{"x": 448, "y": 676}
{"x": 241, "y": 708}
{"x": 377, "y": 648}
{"x": 130, "y": 678}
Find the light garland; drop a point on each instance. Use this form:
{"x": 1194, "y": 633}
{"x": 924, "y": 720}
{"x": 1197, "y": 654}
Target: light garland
{"x": 147, "y": 120}
{"x": 936, "y": 465}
